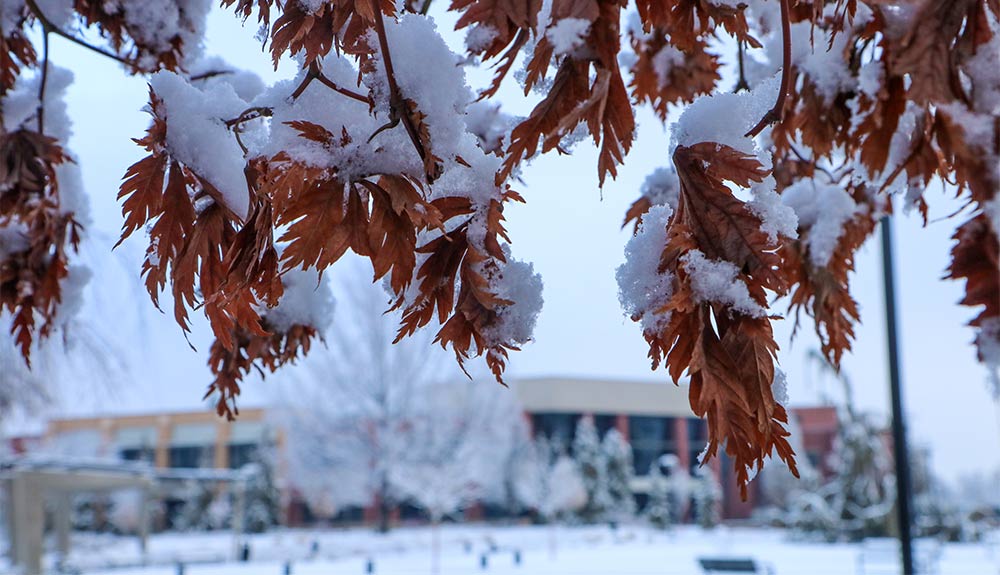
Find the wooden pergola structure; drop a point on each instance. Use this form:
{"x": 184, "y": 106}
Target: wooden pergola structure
{"x": 31, "y": 483}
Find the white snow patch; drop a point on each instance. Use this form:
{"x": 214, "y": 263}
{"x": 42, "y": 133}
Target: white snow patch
{"x": 307, "y": 300}
{"x": 198, "y": 137}
{"x": 567, "y": 34}
{"x": 725, "y": 118}
{"x": 718, "y": 281}
{"x": 824, "y": 209}
{"x": 642, "y": 288}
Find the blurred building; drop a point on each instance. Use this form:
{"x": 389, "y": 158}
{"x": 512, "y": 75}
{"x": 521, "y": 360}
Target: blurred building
{"x": 189, "y": 439}
{"x": 655, "y": 418}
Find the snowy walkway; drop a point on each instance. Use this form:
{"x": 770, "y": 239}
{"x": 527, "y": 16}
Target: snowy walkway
{"x": 579, "y": 551}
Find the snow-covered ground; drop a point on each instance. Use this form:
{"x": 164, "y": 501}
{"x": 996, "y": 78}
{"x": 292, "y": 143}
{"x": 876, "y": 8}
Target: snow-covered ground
{"x": 542, "y": 550}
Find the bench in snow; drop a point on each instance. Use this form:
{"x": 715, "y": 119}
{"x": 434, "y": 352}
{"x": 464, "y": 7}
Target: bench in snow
{"x": 732, "y": 565}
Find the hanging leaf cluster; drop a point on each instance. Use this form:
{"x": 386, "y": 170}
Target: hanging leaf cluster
{"x": 378, "y": 147}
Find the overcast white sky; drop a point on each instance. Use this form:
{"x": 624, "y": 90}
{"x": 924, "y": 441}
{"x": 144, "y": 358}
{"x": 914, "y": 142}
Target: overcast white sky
{"x": 571, "y": 231}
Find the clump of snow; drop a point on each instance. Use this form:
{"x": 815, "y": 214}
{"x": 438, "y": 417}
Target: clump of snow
{"x": 725, "y": 118}
{"x": 427, "y": 73}
{"x": 982, "y": 68}
{"x": 245, "y": 83}
{"x": 718, "y": 281}
{"x": 308, "y": 300}
{"x": 823, "y": 208}
{"x": 776, "y": 218}
{"x": 59, "y": 12}
{"x": 824, "y": 64}
{"x": 19, "y": 108}
{"x": 488, "y": 123}
{"x": 665, "y": 60}
{"x": 311, "y": 6}
{"x": 779, "y": 388}
{"x": 518, "y": 283}
{"x": 662, "y": 187}
{"x": 198, "y": 137}
{"x": 13, "y": 239}
{"x": 978, "y": 128}
{"x": 567, "y": 34}
{"x": 642, "y": 288}
{"x": 479, "y": 37}
{"x": 10, "y": 15}
{"x": 155, "y": 23}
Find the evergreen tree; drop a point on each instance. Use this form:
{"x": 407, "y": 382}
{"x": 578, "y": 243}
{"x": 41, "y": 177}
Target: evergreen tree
{"x": 707, "y": 497}
{"x": 593, "y": 466}
{"x": 658, "y": 510}
{"x": 261, "y": 495}
{"x": 195, "y": 498}
{"x": 618, "y": 455}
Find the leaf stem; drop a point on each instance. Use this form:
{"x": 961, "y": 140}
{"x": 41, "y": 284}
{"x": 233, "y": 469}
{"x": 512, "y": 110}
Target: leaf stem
{"x": 776, "y": 112}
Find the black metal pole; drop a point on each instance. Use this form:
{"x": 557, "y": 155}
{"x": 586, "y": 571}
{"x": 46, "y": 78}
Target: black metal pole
{"x": 901, "y": 454}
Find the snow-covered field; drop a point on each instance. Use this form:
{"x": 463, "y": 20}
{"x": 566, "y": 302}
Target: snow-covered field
{"x": 542, "y": 550}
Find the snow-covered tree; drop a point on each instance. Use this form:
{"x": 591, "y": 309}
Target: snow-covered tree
{"x": 346, "y": 413}
{"x": 618, "y": 454}
{"x": 261, "y": 498}
{"x": 458, "y": 442}
{"x": 376, "y": 146}
{"x": 706, "y": 497}
{"x": 858, "y": 499}
{"x": 593, "y": 465}
{"x": 658, "y": 510}
{"x": 361, "y": 414}
{"x": 549, "y": 482}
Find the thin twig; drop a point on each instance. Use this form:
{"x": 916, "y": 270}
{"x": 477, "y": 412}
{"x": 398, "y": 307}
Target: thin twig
{"x": 48, "y": 26}
{"x": 315, "y": 73}
{"x": 426, "y": 7}
{"x": 43, "y": 82}
{"x": 236, "y": 124}
{"x": 309, "y": 77}
{"x": 340, "y": 90}
{"x": 776, "y": 112}
{"x": 249, "y": 114}
{"x": 397, "y": 105}
{"x": 210, "y": 74}
{"x": 741, "y": 84}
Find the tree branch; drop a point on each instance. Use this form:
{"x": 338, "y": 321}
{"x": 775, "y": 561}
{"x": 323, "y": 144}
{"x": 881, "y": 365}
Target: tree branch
{"x": 43, "y": 82}
{"x": 397, "y": 104}
{"x": 775, "y": 113}
{"x": 314, "y": 73}
{"x": 48, "y": 26}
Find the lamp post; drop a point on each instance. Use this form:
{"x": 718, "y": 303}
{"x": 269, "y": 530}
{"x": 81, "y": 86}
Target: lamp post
{"x": 900, "y": 452}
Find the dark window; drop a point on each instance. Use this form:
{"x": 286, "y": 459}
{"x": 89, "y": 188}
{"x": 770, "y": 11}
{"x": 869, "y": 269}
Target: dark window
{"x": 697, "y": 430}
{"x": 191, "y": 456}
{"x": 241, "y": 453}
{"x": 650, "y": 438}
{"x": 559, "y": 428}
{"x": 604, "y": 423}
{"x": 137, "y": 454}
